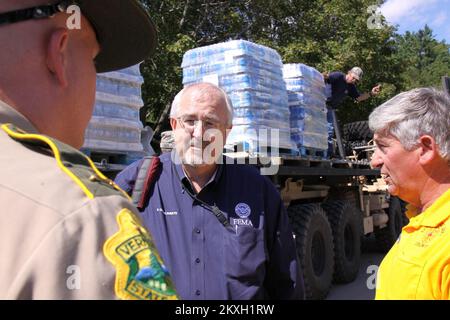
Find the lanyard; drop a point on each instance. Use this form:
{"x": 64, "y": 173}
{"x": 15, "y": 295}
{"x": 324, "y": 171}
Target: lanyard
{"x": 219, "y": 214}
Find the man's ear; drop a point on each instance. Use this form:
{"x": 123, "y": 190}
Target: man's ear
{"x": 57, "y": 56}
{"x": 428, "y": 149}
{"x": 173, "y": 123}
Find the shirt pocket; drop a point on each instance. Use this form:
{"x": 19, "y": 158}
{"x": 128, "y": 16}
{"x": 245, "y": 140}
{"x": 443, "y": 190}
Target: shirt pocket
{"x": 410, "y": 268}
{"x": 245, "y": 258}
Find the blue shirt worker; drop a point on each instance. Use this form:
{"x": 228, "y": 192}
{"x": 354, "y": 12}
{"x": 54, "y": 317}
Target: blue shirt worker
{"x": 221, "y": 228}
{"x": 338, "y": 86}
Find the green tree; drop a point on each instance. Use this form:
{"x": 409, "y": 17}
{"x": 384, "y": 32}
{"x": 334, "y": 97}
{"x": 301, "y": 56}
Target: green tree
{"x": 427, "y": 59}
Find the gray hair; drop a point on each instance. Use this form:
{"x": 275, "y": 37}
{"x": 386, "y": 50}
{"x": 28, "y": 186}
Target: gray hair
{"x": 203, "y": 87}
{"x": 411, "y": 114}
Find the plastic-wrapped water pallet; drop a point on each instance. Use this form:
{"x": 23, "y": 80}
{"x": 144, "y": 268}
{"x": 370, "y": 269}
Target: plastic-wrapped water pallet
{"x": 246, "y": 81}
{"x": 228, "y": 51}
{"x": 261, "y": 114}
{"x": 240, "y": 65}
{"x": 252, "y": 76}
{"x": 307, "y": 120}
{"x": 249, "y": 98}
{"x": 305, "y": 99}
{"x": 306, "y": 86}
{"x": 115, "y": 125}
{"x": 309, "y": 139}
{"x": 300, "y": 70}
{"x": 306, "y": 96}
{"x": 260, "y": 136}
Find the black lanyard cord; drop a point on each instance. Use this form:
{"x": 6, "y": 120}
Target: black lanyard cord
{"x": 219, "y": 214}
{"x": 214, "y": 209}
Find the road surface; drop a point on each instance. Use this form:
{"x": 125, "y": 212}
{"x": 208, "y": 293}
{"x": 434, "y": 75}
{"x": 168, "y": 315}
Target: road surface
{"x": 363, "y": 288}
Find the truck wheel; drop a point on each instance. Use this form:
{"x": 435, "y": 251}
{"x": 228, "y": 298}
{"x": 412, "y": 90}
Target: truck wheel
{"x": 314, "y": 242}
{"x": 346, "y": 223}
{"x": 357, "y": 131}
{"x": 387, "y": 236}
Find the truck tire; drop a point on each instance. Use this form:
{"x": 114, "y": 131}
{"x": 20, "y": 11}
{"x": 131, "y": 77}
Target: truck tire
{"x": 357, "y": 131}
{"x": 314, "y": 242}
{"x": 346, "y": 223}
{"x": 387, "y": 236}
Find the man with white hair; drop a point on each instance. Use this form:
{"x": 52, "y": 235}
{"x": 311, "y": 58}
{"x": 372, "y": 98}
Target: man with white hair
{"x": 221, "y": 228}
{"x": 66, "y": 231}
{"x": 412, "y": 135}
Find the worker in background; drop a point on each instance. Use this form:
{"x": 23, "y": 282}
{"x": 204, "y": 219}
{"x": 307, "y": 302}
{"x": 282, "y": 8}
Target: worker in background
{"x": 66, "y": 231}
{"x": 338, "y": 86}
{"x": 412, "y": 135}
{"x": 220, "y": 227}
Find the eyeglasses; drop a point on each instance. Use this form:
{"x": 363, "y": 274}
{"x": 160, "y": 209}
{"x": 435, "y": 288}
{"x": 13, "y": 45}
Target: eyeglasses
{"x": 189, "y": 123}
{"x": 39, "y": 12}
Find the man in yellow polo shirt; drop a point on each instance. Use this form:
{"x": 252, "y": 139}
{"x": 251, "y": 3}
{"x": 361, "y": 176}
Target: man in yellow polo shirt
{"x": 412, "y": 134}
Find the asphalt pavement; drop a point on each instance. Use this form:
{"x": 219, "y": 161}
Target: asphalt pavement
{"x": 363, "y": 288}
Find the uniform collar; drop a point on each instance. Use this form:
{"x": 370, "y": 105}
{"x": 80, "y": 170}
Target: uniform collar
{"x": 11, "y": 115}
{"x": 434, "y": 215}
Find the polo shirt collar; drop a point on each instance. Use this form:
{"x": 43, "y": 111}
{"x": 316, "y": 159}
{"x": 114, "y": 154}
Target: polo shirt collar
{"x": 434, "y": 215}
{"x": 176, "y": 165}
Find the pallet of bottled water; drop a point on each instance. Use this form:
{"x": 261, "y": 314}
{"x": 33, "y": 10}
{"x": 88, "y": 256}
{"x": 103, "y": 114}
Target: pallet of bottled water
{"x": 252, "y": 76}
{"x": 307, "y": 106}
{"x": 115, "y": 125}
{"x": 303, "y": 72}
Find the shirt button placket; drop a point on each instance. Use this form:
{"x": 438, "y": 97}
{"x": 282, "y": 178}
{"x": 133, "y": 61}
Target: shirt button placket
{"x": 198, "y": 237}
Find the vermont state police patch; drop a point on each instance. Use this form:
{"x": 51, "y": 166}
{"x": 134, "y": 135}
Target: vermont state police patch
{"x": 140, "y": 273}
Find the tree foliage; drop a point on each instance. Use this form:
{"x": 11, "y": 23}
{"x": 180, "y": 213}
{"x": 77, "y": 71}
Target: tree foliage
{"x": 426, "y": 59}
{"x": 326, "y": 34}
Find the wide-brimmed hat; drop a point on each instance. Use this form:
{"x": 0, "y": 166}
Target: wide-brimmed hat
{"x": 124, "y": 29}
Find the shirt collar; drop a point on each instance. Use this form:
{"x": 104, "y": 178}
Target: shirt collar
{"x": 434, "y": 215}
{"x": 209, "y": 181}
{"x": 11, "y": 115}
{"x": 176, "y": 165}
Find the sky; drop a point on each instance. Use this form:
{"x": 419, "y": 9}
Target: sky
{"x": 412, "y": 15}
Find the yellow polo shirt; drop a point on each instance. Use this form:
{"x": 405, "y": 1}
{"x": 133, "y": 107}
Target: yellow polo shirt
{"x": 418, "y": 265}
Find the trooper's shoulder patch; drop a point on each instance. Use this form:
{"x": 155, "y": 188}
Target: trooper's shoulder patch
{"x": 71, "y": 161}
{"x": 140, "y": 272}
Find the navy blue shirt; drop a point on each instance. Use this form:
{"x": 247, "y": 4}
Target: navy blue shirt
{"x": 340, "y": 88}
{"x": 253, "y": 257}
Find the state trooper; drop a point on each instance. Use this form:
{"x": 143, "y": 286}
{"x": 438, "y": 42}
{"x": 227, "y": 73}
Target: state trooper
{"x": 67, "y": 232}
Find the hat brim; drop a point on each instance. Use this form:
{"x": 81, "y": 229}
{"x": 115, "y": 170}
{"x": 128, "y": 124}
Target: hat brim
{"x": 125, "y": 32}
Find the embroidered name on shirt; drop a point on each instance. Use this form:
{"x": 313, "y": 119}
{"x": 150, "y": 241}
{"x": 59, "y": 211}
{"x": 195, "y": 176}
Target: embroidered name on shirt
{"x": 167, "y": 213}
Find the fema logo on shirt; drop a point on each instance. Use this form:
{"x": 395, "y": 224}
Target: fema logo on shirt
{"x": 243, "y": 210}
